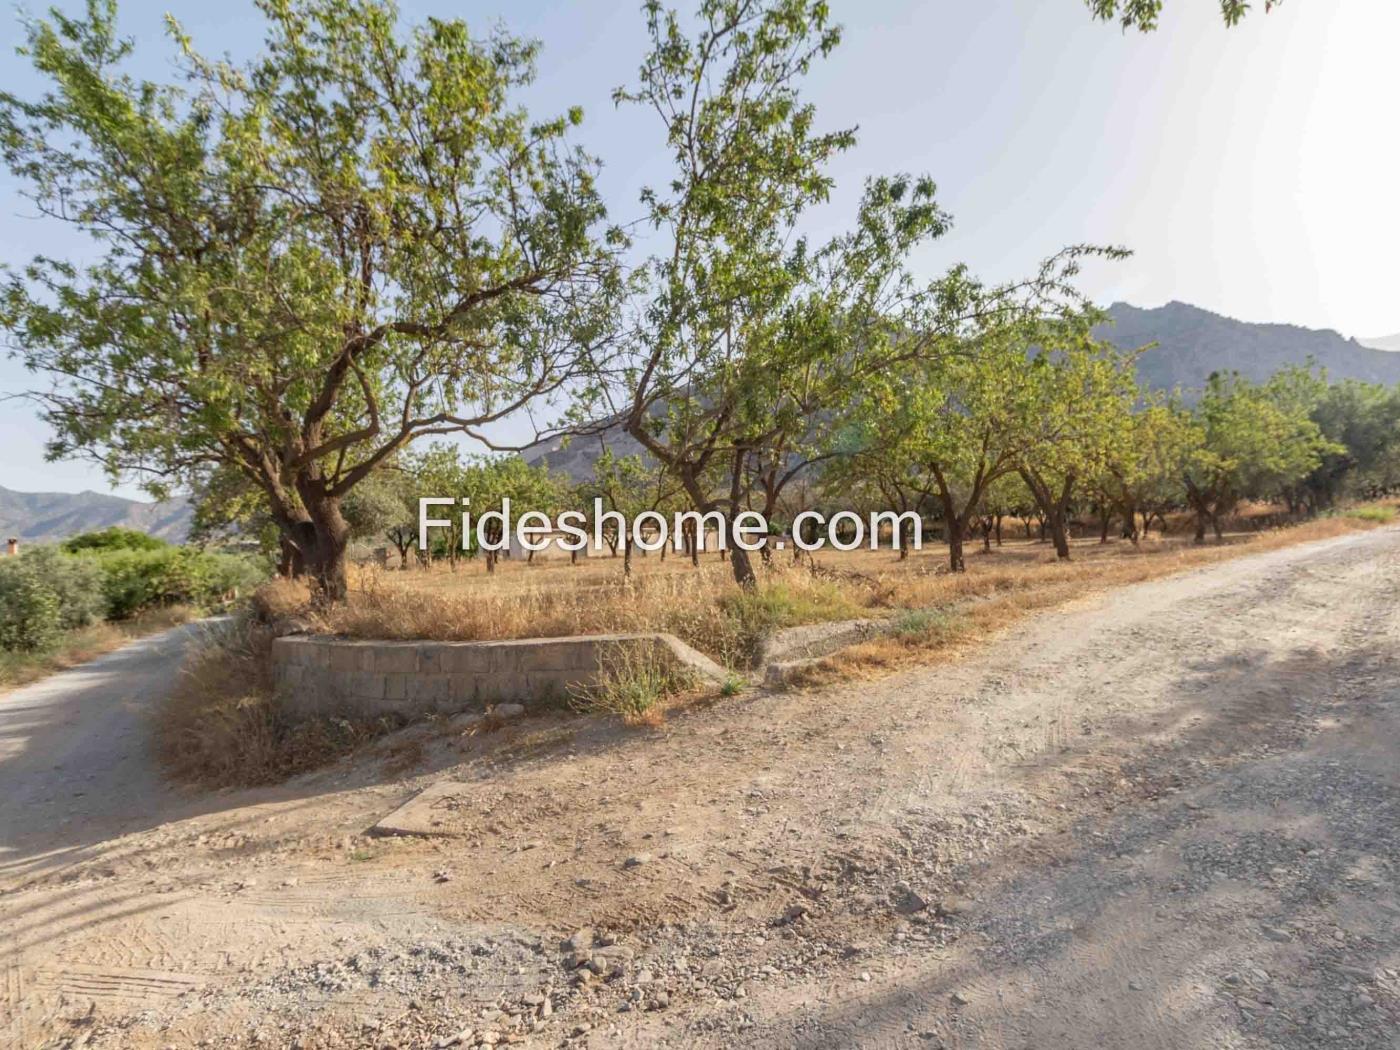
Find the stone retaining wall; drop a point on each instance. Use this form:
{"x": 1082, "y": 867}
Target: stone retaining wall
{"x": 318, "y": 675}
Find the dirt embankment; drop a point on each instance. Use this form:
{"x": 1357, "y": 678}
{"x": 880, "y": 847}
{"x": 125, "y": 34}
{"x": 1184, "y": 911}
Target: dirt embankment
{"x": 1167, "y": 815}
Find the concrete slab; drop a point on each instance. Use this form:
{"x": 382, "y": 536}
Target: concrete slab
{"x": 429, "y": 813}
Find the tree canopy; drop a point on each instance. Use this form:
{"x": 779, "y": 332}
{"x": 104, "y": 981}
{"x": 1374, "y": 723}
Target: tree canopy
{"x": 355, "y": 240}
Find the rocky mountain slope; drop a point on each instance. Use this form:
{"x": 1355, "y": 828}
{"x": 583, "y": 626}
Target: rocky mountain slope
{"x": 1186, "y": 343}
{"x": 43, "y": 517}
{"x": 1192, "y": 343}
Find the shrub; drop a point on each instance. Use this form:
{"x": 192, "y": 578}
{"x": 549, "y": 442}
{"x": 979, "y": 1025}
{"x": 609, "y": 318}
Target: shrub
{"x": 139, "y": 579}
{"x": 1376, "y": 513}
{"x": 112, "y": 539}
{"x": 44, "y": 593}
{"x": 632, "y": 680}
{"x": 753, "y": 614}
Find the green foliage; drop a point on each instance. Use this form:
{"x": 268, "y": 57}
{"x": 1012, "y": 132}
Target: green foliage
{"x": 754, "y": 613}
{"x": 1379, "y": 515}
{"x": 1143, "y": 14}
{"x": 1250, "y": 442}
{"x": 746, "y": 331}
{"x": 112, "y": 539}
{"x": 632, "y": 680}
{"x": 136, "y": 580}
{"x": 44, "y": 593}
{"x": 1363, "y": 423}
{"x": 302, "y": 263}
{"x": 926, "y": 626}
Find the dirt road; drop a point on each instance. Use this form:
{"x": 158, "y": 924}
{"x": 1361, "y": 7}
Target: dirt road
{"x": 75, "y": 769}
{"x": 1168, "y": 816}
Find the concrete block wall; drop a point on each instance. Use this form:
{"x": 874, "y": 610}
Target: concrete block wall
{"x": 319, "y": 675}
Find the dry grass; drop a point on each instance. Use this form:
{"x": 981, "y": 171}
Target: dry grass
{"x": 704, "y": 607}
{"x": 223, "y": 726}
{"x": 87, "y": 643}
{"x": 280, "y": 598}
{"x": 701, "y": 606}
{"x": 988, "y": 602}
{"x": 633, "y": 682}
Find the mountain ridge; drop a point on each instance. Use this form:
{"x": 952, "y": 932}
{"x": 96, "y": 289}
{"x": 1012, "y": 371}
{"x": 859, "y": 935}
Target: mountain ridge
{"x": 46, "y": 517}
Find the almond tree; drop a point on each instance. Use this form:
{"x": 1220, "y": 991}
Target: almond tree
{"x": 1144, "y": 474}
{"x": 300, "y": 264}
{"x": 1086, "y": 392}
{"x": 1249, "y": 441}
{"x": 745, "y": 334}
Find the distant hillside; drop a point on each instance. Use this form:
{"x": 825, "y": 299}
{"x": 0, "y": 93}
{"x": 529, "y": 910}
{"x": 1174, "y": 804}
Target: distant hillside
{"x": 575, "y": 457}
{"x": 44, "y": 517}
{"x": 1193, "y": 343}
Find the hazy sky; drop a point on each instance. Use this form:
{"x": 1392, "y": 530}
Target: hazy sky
{"x": 1252, "y": 171}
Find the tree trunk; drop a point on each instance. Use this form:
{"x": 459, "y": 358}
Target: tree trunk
{"x": 954, "y": 528}
{"x": 322, "y": 542}
{"x": 1200, "y": 526}
{"x": 1059, "y": 533}
{"x": 742, "y": 567}
{"x": 626, "y": 559}
{"x": 290, "y": 563}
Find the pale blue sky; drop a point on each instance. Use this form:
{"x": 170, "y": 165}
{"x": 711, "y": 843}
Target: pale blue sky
{"x": 1252, "y": 170}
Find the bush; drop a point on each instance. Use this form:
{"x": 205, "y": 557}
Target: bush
{"x": 1376, "y": 513}
{"x": 44, "y": 593}
{"x": 112, "y": 539}
{"x": 632, "y": 680}
{"x": 140, "y": 579}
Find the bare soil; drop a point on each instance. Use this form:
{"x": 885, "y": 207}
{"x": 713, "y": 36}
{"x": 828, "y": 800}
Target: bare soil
{"x": 1165, "y": 815}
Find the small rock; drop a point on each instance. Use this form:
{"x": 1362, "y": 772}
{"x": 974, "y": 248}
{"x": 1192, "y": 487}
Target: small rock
{"x": 579, "y": 940}
{"x": 508, "y": 711}
{"x": 637, "y": 860}
{"x": 958, "y": 999}
{"x": 794, "y": 913}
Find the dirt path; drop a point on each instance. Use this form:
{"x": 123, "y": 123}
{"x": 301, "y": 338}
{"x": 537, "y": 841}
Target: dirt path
{"x": 1168, "y": 816}
{"x": 75, "y": 768}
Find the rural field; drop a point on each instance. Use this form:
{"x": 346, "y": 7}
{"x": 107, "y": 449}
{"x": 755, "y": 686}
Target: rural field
{"x": 1163, "y": 812}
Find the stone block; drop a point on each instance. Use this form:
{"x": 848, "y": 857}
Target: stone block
{"x": 347, "y": 657}
{"x": 396, "y": 658}
{"x": 506, "y": 658}
{"x": 469, "y": 658}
